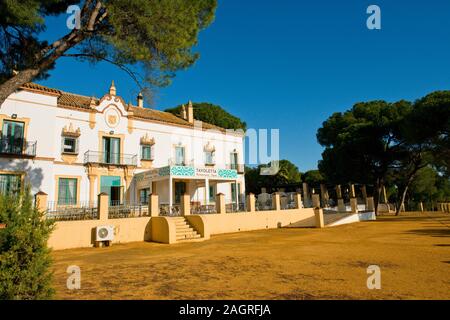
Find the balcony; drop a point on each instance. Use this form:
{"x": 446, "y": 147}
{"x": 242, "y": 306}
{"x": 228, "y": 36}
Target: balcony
{"x": 238, "y": 167}
{"x": 17, "y": 147}
{"x": 117, "y": 159}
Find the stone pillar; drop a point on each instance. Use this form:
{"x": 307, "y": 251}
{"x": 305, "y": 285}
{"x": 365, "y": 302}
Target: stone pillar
{"x": 306, "y": 200}
{"x": 338, "y": 191}
{"x": 324, "y": 195}
{"x": 341, "y": 205}
{"x": 185, "y": 207}
{"x": 421, "y": 206}
{"x": 316, "y": 201}
{"x": 153, "y": 205}
{"x": 103, "y": 206}
{"x": 276, "y": 205}
{"x": 298, "y": 201}
{"x": 128, "y": 179}
{"x": 364, "y": 193}
{"x": 354, "y": 205}
{"x": 41, "y": 201}
{"x": 370, "y": 204}
{"x": 318, "y": 213}
{"x": 352, "y": 191}
{"x": 92, "y": 178}
{"x": 220, "y": 203}
{"x": 250, "y": 202}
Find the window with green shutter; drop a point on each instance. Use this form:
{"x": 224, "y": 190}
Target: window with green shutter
{"x": 10, "y": 183}
{"x": 67, "y": 191}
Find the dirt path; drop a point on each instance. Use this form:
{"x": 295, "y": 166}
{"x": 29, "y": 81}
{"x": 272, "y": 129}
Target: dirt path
{"x": 412, "y": 252}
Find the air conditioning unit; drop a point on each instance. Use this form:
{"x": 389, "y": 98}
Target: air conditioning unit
{"x": 104, "y": 233}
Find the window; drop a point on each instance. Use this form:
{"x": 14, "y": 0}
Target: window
{"x": 209, "y": 157}
{"x": 146, "y": 152}
{"x": 10, "y": 183}
{"x": 212, "y": 193}
{"x": 233, "y": 191}
{"x": 143, "y": 195}
{"x": 111, "y": 150}
{"x": 234, "y": 160}
{"x": 12, "y": 137}
{"x": 67, "y": 191}
{"x": 69, "y": 145}
{"x": 179, "y": 156}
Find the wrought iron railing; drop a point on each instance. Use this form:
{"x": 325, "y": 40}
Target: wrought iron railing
{"x": 234, "y": 207}
{"x": 238, "y": 167}
{"x": 170, "y": 211}
{"x": 70, "y": 212}
{"x": 203, "y": 209}
{"x": 18, "y": 147}
{"x": 126, "y": 210}
{"x": 110, "y": 158}
{"x": 179, "y": 162}
{"x": 287, "y": 201}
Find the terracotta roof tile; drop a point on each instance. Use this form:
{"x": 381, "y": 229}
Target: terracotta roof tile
{"x": 66, "y": 99}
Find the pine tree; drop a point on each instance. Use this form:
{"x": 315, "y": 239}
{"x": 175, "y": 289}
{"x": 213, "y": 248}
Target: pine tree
{"x": 24, "y": 257}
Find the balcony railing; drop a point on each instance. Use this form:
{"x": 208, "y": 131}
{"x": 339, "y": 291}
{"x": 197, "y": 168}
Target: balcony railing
{"x": 19, "y": 147}
{"x": 120, "y": 159}
{"x": 238, "y": 167}
{"x": 180, "y": 162}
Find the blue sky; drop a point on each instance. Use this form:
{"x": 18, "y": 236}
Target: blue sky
{"x": 289, "y": 64}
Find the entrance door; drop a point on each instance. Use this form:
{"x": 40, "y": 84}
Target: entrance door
{"x": 12, "y": 137}
{"x": 111, "y": 186}
{"x": 180, "y": 189}
{"x": 111, "y": 150}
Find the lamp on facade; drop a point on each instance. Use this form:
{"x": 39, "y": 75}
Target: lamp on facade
{"x": 14, "y": 116}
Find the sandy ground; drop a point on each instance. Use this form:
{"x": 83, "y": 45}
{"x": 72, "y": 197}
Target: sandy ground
{"x": 412, "y": 252}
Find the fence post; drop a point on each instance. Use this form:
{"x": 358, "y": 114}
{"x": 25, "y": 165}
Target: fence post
{"x": 251, "y": 202}
{"x": 354, "y": 205}
{"x": 153, "y": 205}
{"x": 103, "y": 206}
{"x": 276, "y": 205}
{"x": 298, "y": 200}
{"x": 316, "y": 201}
{"x": 41, "y": 201}
{"x": 318, "y": 213}
{"x": 370, "y": 204}
{"x": 185, "y": 204}
{"x": 220, "y": 203}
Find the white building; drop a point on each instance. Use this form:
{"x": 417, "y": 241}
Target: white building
{"x": 73, "y": 147}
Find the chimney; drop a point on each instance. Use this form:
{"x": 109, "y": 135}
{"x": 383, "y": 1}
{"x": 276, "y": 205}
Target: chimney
{"x": 190, "y": 113}
{"x": 140, "y": 100}
{"x": 183, "y": 112}
{"x": 112, "y": 89}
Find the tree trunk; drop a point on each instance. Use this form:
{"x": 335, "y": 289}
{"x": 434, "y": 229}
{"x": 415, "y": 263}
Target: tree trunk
{"x": 377, "y": 193}
{"x": 14, "y": 83}
{"x": 402, "y": 201}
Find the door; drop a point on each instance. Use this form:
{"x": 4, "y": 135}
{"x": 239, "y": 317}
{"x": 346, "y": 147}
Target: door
{"x": 111, "y": 150}
{"x": 112, "y": 186}
{"x": 180, "y": 189}
{"x": 12, "y": 137}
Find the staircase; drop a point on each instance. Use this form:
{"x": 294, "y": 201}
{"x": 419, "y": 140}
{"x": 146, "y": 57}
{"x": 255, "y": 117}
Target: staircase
{"x": 184, "y": 231}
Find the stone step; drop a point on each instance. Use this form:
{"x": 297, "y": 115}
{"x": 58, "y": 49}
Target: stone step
{"x": 190, "y": 230}
{"x": 197, "y": 236}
